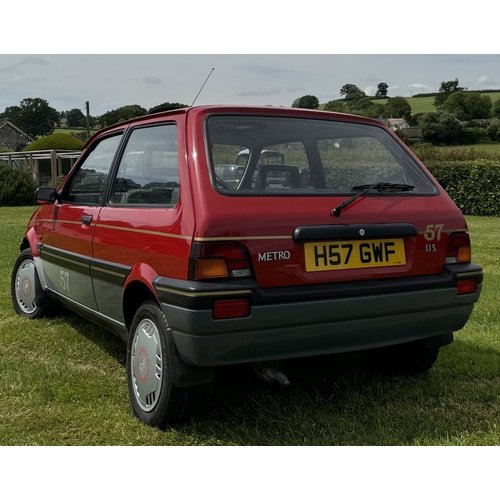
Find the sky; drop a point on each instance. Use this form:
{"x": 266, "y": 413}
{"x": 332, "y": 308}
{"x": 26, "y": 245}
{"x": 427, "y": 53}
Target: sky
{"x": 269, "y": 54}
{"x": 109, "y": 81}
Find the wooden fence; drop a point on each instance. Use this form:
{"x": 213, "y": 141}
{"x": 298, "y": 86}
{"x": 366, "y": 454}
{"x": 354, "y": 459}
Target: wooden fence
{"x": 30, "y": 160}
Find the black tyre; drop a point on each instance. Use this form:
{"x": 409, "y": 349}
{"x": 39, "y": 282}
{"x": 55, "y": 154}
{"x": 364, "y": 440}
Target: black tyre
{"x": 154, "y": 398}
{"x": 24, "y": 286}
{"x": 410, "y": 358}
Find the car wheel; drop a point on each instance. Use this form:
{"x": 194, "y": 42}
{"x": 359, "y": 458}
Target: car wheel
{"x": 410, "y": 358}
{"x": 24, "y": 284}
{"x": 154, "y": 398}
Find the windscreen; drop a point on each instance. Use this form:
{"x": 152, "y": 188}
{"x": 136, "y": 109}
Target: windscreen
{"x": 282, "y": 156}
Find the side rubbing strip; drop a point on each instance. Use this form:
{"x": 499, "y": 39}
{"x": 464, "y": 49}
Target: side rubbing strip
{"x": 109, "y": 272}
{"x": 68, "y": 260}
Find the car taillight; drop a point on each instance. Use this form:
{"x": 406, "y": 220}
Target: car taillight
{"x": 458, "y": 249}
{"x": 219, "y": 260}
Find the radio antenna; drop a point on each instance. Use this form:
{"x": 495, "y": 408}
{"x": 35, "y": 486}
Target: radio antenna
{"x": 202, "y": 86}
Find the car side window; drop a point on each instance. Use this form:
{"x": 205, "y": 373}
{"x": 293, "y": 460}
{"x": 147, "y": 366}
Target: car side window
{"x": 148, "y": 174}
{"x": 87, "y": 185}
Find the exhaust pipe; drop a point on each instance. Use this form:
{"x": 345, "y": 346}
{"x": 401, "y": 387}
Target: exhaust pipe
{"x": 270, "y": 372}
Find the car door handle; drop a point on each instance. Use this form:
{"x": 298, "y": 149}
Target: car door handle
{"x": 86, "y": 219}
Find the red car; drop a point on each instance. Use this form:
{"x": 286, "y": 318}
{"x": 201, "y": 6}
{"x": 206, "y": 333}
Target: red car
{"x": 346, "y": 244}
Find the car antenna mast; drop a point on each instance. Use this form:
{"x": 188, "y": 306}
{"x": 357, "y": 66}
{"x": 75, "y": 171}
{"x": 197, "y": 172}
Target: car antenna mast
{"x": 202, "y": 87}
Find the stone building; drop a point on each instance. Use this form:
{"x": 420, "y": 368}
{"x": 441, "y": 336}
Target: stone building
{"x": 12, "y": 137}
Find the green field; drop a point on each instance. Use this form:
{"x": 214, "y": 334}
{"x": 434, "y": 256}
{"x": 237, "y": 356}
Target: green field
{"x": 426, "y": 104}
{"x": 62, "y": 382}
{"x": 419, "y": 104}
{"x": 65, "y": 130}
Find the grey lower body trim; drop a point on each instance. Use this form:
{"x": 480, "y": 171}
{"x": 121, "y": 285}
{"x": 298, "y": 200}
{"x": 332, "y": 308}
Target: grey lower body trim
{"x": 308, "y": 328}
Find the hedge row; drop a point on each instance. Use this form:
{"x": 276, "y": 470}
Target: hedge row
{"x": 473, "y": 185}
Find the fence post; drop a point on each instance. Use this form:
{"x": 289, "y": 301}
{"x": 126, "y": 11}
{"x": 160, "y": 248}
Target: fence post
{"x": 53, "y": 167}
{"x": 36, "y": 173}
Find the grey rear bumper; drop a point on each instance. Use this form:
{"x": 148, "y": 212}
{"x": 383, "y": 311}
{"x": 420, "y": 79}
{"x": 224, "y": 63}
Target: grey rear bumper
{"x": 280, "y": 330}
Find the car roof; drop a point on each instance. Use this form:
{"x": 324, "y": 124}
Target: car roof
{"x": 240, "y": 109}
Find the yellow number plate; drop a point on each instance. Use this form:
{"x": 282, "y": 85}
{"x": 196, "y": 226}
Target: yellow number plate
{"x": 355, "y": 254}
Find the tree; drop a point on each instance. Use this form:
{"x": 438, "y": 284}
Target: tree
{"x": 34, "y": 116}
{"x": 121, "y": 114}
{"x": 362, "y": 107}
{"x": 496, "y": 109}
{"x": 365, "y": 107}
{"x": 336, "y": 106}
{"x": 440, "y": 128}
{"x": 351, "y": 92}
{"x": 445, "y": 90}
{"x": 75, "y": 118}
{"x": 397, "y": 107}
{"x": 493, "y": 132}
{"x": 468, "y": 105}
{"x": 10, "y": 113}
{"x": 167, "y": 106}
{"x": 307, "y": 102}
{"x": 382, "y": 89}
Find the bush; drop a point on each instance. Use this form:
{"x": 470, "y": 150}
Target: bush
{"x": 55, "y": 141}
{"x": 493, "y": 132}
{"x": 440, "y": 128}
{"x": 474, "y": 185}
{"x": 17, "y": 187}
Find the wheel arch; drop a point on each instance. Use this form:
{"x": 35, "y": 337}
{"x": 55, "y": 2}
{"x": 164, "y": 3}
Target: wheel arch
{"x": 136, "y": 293}
{"x": 30, "y": 240}
{"x": 138, "y": 288}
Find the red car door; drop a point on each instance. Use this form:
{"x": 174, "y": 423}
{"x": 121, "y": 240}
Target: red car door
{"x": 66, "y": 237}
{"x": 141, "y": 223}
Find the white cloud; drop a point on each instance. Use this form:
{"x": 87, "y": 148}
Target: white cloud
{"x": 370, "y": 90}
{"x": 483, "y": 79}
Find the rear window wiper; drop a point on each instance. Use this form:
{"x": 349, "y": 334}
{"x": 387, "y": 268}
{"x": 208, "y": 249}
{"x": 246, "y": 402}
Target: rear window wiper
{"x": 380, "y": 186}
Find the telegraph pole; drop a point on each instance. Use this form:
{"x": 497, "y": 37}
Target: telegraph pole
{"x": 87, "y": 116}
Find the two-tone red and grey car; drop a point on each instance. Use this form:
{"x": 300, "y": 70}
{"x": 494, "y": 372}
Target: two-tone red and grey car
{"x": 346, "y": 244}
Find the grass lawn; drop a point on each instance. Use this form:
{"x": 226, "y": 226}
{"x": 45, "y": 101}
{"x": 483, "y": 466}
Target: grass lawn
{"x": 62, "y": 381}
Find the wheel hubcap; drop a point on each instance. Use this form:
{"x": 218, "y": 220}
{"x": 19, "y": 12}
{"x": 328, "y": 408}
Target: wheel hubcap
{"x": 146, "y": 365}
{"x": 25, "y": 287}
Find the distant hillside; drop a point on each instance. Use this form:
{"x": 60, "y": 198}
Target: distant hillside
{"x": 424, "y": 103}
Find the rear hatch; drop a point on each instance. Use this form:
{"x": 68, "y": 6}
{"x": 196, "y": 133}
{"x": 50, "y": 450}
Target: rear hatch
{"x": 350, "y": 202}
